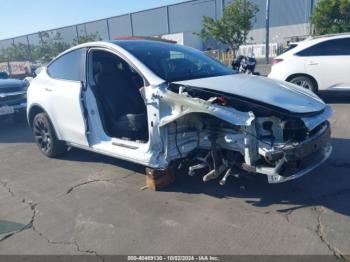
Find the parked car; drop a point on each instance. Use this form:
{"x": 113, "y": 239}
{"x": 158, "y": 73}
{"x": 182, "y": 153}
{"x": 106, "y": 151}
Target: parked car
{"x": 316, "y": 64}
{"x": 13, "y": 95}
{"x": 164, "y": 105}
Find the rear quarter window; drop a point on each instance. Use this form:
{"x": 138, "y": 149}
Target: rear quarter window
{"x": 290, "y": 47}
{"x": 70, "y": 66}
{"x": 336, "y": 47}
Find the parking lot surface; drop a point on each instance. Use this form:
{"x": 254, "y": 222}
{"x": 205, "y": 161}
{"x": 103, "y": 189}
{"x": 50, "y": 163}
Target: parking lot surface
{"x": 86, "y": 203}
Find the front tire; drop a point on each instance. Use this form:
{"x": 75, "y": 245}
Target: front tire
{"x": 45, "y": 137}
{"x": 305, "y": 82}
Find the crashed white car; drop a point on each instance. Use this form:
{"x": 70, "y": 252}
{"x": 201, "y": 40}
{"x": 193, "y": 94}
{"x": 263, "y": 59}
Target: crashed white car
{"x": 164, "y": 105}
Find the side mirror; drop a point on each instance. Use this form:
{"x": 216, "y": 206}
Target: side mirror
{"x": 37, "y": 71}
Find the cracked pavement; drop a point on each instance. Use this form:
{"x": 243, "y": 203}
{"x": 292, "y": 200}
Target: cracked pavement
{"x": 86, "y": 203}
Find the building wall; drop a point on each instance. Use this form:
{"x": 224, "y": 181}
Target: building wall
{"x": 150, "y": 22}
{"x": 288, "y": 18}
{"x": 279, "y": 34}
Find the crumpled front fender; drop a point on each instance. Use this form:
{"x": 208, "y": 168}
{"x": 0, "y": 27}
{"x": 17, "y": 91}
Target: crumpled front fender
{"x": 181, "y": 105}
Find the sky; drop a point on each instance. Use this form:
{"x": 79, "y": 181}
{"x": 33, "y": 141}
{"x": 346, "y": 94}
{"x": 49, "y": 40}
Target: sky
{"x": 20, "y": 17}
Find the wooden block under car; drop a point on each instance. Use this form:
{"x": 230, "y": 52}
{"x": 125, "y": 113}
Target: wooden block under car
{"x": 158, "y": 179}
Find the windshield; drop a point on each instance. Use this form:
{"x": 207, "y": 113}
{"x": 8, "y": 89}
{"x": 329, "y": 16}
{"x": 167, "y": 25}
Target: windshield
{"x": 173, "y": 62}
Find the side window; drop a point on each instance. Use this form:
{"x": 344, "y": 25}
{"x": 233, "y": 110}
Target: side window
{"x": 337, "y": 47}
{"x": 344, "y": 46}
{"x": 103, "y": 63}
{"x": 70, "y": 66}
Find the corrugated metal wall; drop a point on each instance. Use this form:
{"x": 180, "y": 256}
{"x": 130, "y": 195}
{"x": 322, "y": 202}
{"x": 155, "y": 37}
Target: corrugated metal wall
{"x": 282, "y": 12}
{"x": 182, "y": 17}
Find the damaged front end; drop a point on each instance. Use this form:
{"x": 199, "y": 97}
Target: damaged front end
{"x": 218, "y": 134}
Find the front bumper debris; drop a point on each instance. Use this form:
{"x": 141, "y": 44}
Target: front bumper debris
{"x": 306, "y": 155}
{"x": 309, "y": 164}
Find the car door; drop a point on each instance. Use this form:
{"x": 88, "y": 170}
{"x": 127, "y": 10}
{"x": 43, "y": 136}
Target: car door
{"x": 66, "y": 89}
{"x": 328, "y": 62}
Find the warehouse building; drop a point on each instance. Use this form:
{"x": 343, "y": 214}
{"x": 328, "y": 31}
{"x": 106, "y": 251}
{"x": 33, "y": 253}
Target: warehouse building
{"x": 288, "y": 19}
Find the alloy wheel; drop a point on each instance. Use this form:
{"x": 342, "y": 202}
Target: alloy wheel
{"x": 303, "y": 83}
{"x": 42, "y": 135}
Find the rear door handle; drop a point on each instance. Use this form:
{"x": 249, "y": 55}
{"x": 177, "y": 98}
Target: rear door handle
{"x": 48, "y": 89}
{"x": 313, "y": 63}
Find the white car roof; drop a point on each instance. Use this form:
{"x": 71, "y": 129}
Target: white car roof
{"x": 147, "y": 73}
{"x": 319, "y": 39}
{"x": 313, "y": 41}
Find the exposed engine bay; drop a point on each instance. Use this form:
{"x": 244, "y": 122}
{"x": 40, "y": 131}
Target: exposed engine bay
{"x": 217, "y": 135}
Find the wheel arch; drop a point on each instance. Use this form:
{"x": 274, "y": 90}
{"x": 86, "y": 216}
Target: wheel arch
{"x": 303, "y": 74}
{"x": 37, "y": 109}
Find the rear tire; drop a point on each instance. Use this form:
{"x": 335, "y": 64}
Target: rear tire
{"x": 305, "y": 82}
{"x": 45, "y": 137}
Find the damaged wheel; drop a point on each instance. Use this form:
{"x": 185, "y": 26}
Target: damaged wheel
{"x": 45, "y": 137}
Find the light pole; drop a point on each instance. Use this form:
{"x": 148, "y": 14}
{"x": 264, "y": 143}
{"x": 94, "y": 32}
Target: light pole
{"x": 267, "y": 37}
{"x": 311, "y": 10}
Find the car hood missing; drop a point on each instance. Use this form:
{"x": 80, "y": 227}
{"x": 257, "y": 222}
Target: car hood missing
{"x": 279, "y": 94}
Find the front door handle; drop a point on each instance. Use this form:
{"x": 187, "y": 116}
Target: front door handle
{"x": 48, "y": 89}
{"x": 313, "y": 63}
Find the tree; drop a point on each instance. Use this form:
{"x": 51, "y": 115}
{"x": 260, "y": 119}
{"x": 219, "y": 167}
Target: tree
{"x": 18, "y": 52}
{"x": 331, "y": 16}
{"x": 87, "y": 38}
{"x": 50, "y": 45}
{"x": 234, "y": 25}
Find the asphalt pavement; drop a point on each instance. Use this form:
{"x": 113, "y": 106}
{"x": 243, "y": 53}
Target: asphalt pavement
{"x": 85, "y": 203}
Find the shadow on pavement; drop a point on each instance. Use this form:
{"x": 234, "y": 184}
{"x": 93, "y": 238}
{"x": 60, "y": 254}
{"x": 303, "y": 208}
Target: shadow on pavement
{"x": 80, "y": 155}
{"x": 328, "y": 185}
{"x": 335, "y": 97}
{"x": 9, "y": 226}
{"x": 11, "y": 132}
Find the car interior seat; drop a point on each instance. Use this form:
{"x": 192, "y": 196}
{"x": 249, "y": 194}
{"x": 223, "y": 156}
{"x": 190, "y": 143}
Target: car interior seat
{"x": 122, "y": 103}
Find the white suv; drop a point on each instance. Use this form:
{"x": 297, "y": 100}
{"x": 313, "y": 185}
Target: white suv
{"x": 317, "y": 63}
{"x": 164, "y": 106}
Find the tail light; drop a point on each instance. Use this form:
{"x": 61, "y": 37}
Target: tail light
{"x": 275, "y": 61}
